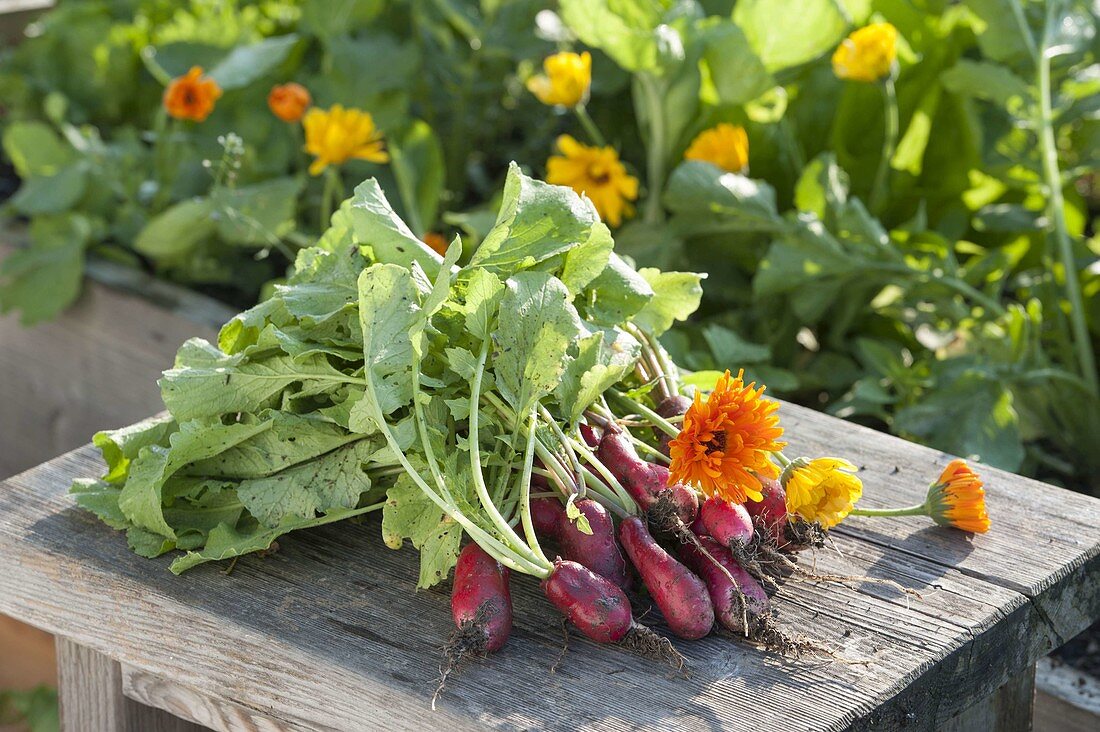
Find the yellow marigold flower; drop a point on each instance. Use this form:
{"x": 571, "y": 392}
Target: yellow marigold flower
{"x": 565, "y": 79}
{"x": 867, "y": 54}
{"x": 336, "y": 135}
{"x": 191, "y": 96}
{"x": 824, "y": 490}
{"x": 958, "y": 499}
{"x": 726, "y": 441}
{"x": 437, "y": 242}
{"x": 726, "y": 146}
{"x": 289, "y": 102}
{"x": 596, "y": 172}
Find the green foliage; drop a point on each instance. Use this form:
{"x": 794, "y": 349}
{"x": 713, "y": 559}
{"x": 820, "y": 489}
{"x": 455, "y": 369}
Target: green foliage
{"x": 36, "y": 709}
{"x": 939, "y": 308}
{"x": 355, "y": 388}
{"x": 864, "y": 275}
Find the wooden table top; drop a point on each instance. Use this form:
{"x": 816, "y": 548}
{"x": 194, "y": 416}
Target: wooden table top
{"x": 328, "y": 632}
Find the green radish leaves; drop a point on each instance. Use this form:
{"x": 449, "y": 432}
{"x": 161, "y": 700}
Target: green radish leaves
{"x": 354, "y": 382}
{"x": 532, "y": 342}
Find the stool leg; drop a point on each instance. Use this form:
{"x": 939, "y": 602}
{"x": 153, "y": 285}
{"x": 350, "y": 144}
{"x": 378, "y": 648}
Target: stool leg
{"x": 1009, "y": 709}
{"x": 91, "y": 698}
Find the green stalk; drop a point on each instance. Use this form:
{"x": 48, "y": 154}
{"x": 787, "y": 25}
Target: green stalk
{"x": 655, "y": 419}
{"x": 570, "y": 453}
{"x": 1086, "y": 360}
{"x": 328, "y": 195}
{"x": 889, "y": 142}
{"x": 920, "y": 509}
{"x": 623, "y": 496}
{"x": 655, "y": 148}
{"x": 475, "y": 466}
{"x": 506, "y": 555}
{"x": 589, "y": 125}
{"x": 525, "y": 489}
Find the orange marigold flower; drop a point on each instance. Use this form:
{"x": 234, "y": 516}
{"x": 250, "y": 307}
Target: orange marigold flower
{"x": 191, "y": 96}
{"x": 958, "y": 499}
{"x": 724, "y": 145}
{"x": 726, "y": 441}
{"x": 289, "y": 102}
{"x": 437, "y": 242}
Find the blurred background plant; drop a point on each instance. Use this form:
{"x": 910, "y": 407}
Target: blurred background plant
{"x": 906, "y": 236}
{"x": 894, "y": 199}
{"x": 106, "y": 168}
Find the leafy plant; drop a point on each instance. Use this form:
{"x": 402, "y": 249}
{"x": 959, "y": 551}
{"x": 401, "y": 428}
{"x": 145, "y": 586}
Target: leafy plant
{"x": 958, "y": 308}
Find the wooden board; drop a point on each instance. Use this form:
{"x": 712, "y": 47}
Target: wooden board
{"x": 329, "y": 633}
{"x": 96, "y": 366}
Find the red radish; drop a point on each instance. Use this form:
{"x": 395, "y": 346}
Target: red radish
{"x": 728, "y": 523}
{"x": 734, "y": 601}
{"x": 697, "y": 526}
{"x": 481, "y": 602}
{"x": 599, "y": 551}
{"x": 589, "y": 434}
{"x": 681, "y": 596}
{"x": 770, "y": 514}
{"x": 596, "y": 606}
{"x": 674, "y": 406}
{"x": 647, "y": 483}
{"x": 547, "y": 515}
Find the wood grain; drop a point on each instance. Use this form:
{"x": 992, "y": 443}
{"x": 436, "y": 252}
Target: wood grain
{"x": 186, "y": 703}
{"x": 94, "y": 367}
{"x": 329, "y": 631}
{"x": 91, "y": 698}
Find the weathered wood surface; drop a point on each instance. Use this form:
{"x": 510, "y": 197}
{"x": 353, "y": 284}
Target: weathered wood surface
{"x": 186, "y": 703}
{"x": 94, "y": 367}
{"x": 90, "y": 692}
{"x": 328, "y": 633}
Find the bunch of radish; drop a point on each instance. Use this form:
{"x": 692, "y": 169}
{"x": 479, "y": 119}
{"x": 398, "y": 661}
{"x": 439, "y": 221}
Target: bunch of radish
{"x": 691, "y": 556}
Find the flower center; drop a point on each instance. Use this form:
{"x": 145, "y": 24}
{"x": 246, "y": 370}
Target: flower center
{"x": 189, "y": 97}
{"x": 716, "y": 443}
{"x": 599, "y": 174}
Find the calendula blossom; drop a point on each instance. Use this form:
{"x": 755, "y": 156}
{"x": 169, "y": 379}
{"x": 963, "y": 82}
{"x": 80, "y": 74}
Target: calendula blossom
{"x": 437, "y": 242}
{"x": 289, "y": 102}
{"x": 724, "y": 145}
{"x": 336, "y": 135}
{"x": 726, "y": 441}
{"x": 956, "y": 499}
{"x": 191, "y": 96}
{"x": 867, "y": 54}
{"x": 596, "y": 172}
{"x": 822, "y": 490}
{"x": 565, "y": 80}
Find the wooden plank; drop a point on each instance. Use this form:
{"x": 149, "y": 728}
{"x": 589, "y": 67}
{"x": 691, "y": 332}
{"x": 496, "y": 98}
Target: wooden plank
{"x": 329, "y": 630}
{"x": 186, "y": 703}
{"x": 1009, "y": 709}
{"x": 91, "y": 699}
{"x": 96, "y": 366}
